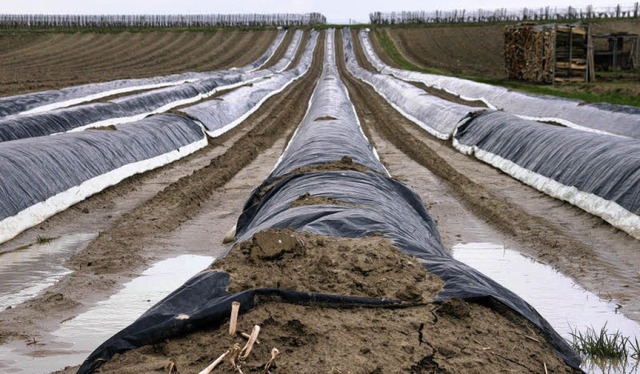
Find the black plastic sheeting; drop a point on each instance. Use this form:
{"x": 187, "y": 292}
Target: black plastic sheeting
{"x": 21, "y": 103}
{"x": 380, "y": 205}
{"x": 35, "y": 169}
{"x": 606, "y": 166}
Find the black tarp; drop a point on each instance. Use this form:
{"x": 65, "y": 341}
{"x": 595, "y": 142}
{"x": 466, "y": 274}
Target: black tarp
{"x": 376, "y": 204}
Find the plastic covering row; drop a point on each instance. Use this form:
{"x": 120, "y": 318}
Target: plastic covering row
{"x": 45, "y": 175}
{"x": 48, "y": 100}
{"x": 134, "y": 107}
{"x": 380, "y": 205}
{"x": 224, "y": 112}
{"x": 598, "y": 173}
{"x": 613, "y": 119}
{"x": 437, "y": 116}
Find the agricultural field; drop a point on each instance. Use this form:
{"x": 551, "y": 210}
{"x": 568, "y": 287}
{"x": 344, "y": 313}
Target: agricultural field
{"x": 369, "y": 208}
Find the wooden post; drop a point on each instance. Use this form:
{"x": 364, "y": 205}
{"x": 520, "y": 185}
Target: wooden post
{"x": 570, "y": 49}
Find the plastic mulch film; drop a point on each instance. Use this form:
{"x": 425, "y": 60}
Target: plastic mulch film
{"x": 599, "y": 118}
{"x": 329, "y": 127}
{"x": 290, "y": 53}
{"x": 600, "y": 174}
{"x": 266, "y": 56}
{"x": 227, "y": 111}
{"x": 437, "y": 116}
{"x": 43, "y": 176}
{"x": 48, "y": 100}
{"x": 370, "y": 203}
{"x": 131, "y": 108}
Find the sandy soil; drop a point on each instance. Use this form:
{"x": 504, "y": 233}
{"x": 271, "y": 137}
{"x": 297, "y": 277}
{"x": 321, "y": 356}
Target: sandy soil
{"x": 37, "y": 62}
{"x": 576, "y": 243}
{"x": 455, "y": 336}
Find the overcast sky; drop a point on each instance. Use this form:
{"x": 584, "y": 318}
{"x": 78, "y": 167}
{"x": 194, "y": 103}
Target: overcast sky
{"x": 338, "y": 11}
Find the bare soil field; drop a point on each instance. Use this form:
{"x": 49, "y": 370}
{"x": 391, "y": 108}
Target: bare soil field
{"x": 188, "y": 207}
{"x": 44, "y": 61}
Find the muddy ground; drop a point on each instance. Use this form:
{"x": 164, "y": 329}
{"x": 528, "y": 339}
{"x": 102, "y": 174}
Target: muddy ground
{"x": 188, "y": 207}
{"x": 417, "y": 336}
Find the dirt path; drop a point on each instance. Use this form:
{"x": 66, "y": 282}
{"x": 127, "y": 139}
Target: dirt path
{"x": 597, "y": 256}
{"x": 128, "y": 240}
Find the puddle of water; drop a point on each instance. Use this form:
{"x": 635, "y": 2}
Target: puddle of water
{"x": 27, "y": 271}
{"x": 78, "y": 337}
{"x": 558, "y": 299}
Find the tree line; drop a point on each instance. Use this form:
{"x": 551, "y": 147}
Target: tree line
{"x": 14, "y": 21}
{"x": 505, "y": 15}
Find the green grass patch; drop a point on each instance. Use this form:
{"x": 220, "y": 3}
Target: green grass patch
{"x": 578, "y": 91}
{"x": 44, "y": 239}
{"x": 605, "y": 348}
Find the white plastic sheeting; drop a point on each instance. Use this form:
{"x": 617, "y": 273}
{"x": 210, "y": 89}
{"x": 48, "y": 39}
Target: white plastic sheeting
{"x": 613, "y": 119}
{"x": 226, "y": 112}
{"x": 48, "y": 100}
{"x": 46, "y": 175}
{"x": 599, "y": 174}
{"x": 437, "y": 116}
{"x": 290, "y": 53}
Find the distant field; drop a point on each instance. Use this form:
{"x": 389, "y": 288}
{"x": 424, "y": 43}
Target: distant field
{"x": 42, "y": 61}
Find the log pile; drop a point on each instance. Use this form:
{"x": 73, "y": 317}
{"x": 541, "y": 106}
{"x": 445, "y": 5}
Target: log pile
{"x": 548, "y": 53}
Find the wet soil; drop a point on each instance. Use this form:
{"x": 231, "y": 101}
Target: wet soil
{"x": 364, "y": 267}
{"x": 455, "y": 336}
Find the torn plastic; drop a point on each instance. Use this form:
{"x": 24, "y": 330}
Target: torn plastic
{"x": 131, "y": 108}
{"x": 437, "y": 116}
{"x": 49, "y": 100}
{"x": 227, "y": 111}
{"x": 378, "y": 205}
{"x": 599, "y": 118}
{"x": 600, "y": 174}
{"x": 43, "y": 176}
